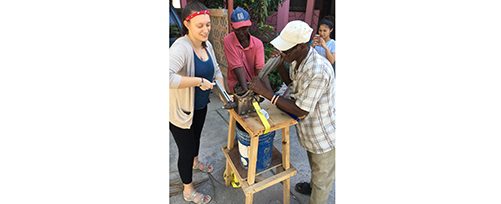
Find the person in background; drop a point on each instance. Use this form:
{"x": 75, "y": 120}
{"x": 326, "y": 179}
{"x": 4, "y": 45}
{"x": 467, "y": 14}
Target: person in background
{"x": 333, "y": 20}
{"x": 323, "y": 43}
{"x": 311, "y": 81}
{"x": 192, "y": 71}
{"x": 244, "y": 53}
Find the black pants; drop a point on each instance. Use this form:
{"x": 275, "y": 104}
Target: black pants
{"x": 188, "y": 143}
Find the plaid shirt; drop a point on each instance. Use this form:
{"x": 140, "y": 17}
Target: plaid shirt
{"x": 313, "y": 88}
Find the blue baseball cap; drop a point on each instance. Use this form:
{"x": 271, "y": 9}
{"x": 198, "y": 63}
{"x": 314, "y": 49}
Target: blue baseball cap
{"x": 240, "y": 18}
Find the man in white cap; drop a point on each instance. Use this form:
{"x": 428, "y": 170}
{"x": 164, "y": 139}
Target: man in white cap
{"x": 312, "y": 88}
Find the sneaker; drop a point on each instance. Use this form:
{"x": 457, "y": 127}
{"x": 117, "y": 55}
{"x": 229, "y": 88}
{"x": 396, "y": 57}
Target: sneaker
{"x": 303, "y": 188}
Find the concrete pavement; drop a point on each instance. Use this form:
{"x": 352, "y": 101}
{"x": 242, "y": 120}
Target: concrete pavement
{"x": 214, "y": 136}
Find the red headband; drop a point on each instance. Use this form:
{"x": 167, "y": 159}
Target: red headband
{"x": 196, "y": 14}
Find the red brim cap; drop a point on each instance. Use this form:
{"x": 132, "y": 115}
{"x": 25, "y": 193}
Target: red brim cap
{"x": 237, "y": 25}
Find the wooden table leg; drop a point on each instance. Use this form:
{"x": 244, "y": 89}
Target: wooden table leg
{"x": 231, "y": 143}
{"x": 286, "y": 163}
{"x": 231, "y": 132}
{"x": 251, "y": 175}
{"x": 249, "y": 198}
{"x": 285, "y": 148}
{"x": 227, "y": 174}
{"x": 287, "y": 194}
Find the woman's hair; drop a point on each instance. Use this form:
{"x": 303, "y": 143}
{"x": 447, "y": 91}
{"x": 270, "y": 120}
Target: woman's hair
{"x": 190, "y": 8}
{"x": 329, "y": 22}
{"x": 326, "y": 22}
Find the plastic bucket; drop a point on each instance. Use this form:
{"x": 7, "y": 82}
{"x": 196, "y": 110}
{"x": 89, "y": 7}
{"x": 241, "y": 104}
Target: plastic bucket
{"x": 264, "y": 149}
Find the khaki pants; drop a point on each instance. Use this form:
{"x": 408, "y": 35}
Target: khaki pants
{"x": 322, "y": 175}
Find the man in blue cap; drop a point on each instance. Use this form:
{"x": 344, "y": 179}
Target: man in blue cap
{"x": 244, "y": 53}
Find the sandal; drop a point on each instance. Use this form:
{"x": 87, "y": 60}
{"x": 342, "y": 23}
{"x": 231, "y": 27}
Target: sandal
{"x": 303, "y": 188}
{"x": 198, "y": 198}
{"x": 207, "y": 168}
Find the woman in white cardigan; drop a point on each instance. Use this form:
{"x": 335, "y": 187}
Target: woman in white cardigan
{"x": 192, "y": 72}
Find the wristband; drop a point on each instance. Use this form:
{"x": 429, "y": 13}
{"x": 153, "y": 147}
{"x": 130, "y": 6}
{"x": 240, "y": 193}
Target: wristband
{"x": 276, "y": 100}
{"x": 273, "y": 98}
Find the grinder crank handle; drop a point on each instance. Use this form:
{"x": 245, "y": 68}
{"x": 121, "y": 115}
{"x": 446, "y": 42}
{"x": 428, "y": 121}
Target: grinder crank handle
{"x": 229, "y": 104}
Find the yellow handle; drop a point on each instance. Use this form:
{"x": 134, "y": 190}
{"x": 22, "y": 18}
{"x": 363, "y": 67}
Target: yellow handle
{"x": 261, "y": 116}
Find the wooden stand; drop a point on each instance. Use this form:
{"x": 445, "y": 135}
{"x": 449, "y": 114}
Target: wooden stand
{"x": 254, "y": 127}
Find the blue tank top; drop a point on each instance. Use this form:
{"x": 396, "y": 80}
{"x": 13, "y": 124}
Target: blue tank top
{"x": 205, "y": 70}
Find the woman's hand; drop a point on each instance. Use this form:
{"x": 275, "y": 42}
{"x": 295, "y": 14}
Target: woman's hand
{"x": 315, "y": 40}
{"x": 314, "y": 43}
{"x": 321, "y": 42}
{"x": 206, "y": 84}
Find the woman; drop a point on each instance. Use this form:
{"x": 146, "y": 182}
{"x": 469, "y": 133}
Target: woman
{"x": 193, "y": 69}
{"x": 323, "y": 43}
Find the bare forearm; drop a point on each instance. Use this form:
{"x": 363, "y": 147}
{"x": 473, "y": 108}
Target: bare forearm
{"x": 290, "y": 107}
{"x": 189, "y": 82}
{"x": 287, "y": 105}
{"x": 240, "y": 73}
{"x": 330, "y": 56}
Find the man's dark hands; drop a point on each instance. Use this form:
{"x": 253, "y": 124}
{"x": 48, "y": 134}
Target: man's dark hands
{"x": 230, "y": 105}
{"x": 258, "y": 86}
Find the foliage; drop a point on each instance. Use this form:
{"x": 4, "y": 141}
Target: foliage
{"x": 264, "y": 32}
{"x": 259, "y": 9}
{"x": 275, "y": 80}
{"x": 214, "y": 4}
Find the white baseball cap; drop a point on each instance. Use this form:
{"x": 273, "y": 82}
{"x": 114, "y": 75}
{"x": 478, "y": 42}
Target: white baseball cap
{"x": 295, "y": 32}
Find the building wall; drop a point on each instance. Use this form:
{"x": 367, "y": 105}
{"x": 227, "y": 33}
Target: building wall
{"x": 272, "y": 19}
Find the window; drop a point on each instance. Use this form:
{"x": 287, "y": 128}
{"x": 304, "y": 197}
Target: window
{"x": 297, "y": 5}
{"x": 300, "y": 5}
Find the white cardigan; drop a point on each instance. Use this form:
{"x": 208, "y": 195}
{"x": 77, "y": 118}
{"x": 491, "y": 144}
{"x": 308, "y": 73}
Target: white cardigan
{"x": 182, "y": 64}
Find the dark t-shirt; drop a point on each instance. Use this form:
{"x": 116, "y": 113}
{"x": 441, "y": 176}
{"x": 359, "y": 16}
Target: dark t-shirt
{"x": 205, "y": 70}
